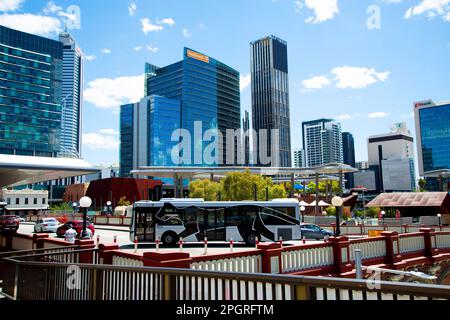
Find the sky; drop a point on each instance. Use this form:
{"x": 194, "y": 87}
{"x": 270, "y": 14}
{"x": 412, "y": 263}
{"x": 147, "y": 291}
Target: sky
{"x": 361, "y": 62}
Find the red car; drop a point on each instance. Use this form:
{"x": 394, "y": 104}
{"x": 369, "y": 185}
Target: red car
{"x": 9, "y": 222}
{"x": 77, "y": 225}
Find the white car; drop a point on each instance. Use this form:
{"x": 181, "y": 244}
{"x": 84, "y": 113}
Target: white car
{"x": 46, "y": 225}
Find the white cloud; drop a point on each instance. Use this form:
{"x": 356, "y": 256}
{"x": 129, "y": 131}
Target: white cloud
{"x": 357, "y": 77}
{"x": 132, "y": 7}
{"x": 244, "y": 81}
{"x": 103, "y": 139}
{"x": 152, "y": 49}
{"x": 323, "y": 9}
{"x": 317, "y": 82}
{"x": 10, "y": 5}
{"x": 90, "y": 57}
{"x": 52, "y": 8}
{"x": 147, "y": 26}
{"x": 168, "y": 21}
{"x": 343, "y": 117}
{"x": 186, "y": 33}
{"x": 431, "y": 8}
{"x": 106, "y": 51}
{"x": 111, "y": 93}
{"x": 30, "y": 23}
{"x": 392, "y": 1}
{"x": 378, "y": 115}
{"x": 138, "y": 48}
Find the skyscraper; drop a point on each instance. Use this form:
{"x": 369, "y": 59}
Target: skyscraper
{"x": 348, "y": 147}
{"x": 270, "y": 96}
{"x": 197, "y": 94}
{"x": 432, "y": 122}
{"x": 31, "y": 70}
{"x": 299, "y": 158}
{"x": 72, "y": 97}
{"x": 322, "y": 142}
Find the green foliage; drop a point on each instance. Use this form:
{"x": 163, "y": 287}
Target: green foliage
{"x": 237, "y": 186}
{"x": 422, "y": 185}
{"x": 331, "y": 211}
{"x": 123, "y": 202}
{"x": 62, "y": 207}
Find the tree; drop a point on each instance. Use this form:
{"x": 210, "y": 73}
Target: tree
{"x": 205, "y": 189}
{"x": 422, "y": 185}
{"x": 123, "y": 202}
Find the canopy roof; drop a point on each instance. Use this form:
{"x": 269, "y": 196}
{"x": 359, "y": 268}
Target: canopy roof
{"x": 23, "y": 170}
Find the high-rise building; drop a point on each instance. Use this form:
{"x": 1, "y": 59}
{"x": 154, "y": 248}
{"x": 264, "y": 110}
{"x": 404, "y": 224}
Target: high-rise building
{"x": 362, "y": 165}
{"x": 196, "y": 94}
{"x": 299, "y": 158}
{"x": 270, "y": 96}
{"x": 31, "y": 69}
{"x": 246, "y": 137}
{"x": 391, "y": 148}
{"x": 348, "y": 147}
{"x": 433, "y": 135}
{"x": 72, "y": 97}
{"x": 432, "y": 122}
{"x": 322, "y": 142}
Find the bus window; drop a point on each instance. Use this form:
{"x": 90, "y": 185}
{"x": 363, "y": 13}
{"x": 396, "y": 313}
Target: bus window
{"x": 249, "y": 213}
{"x": 290, "y": 211}
{"x": 274, "y": 216}
{"x": 234, "y": 217}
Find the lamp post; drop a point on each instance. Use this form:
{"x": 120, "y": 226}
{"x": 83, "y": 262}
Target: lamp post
{"x": 440, "y": 223}
{"x": 85, "y": 203}
{"x": 108, "y": 204}
{"x": 382, "y": 216}
{"x": 337, "y": 202}
{"x": 74, "y": 206}
{"x": 302, "y": 209}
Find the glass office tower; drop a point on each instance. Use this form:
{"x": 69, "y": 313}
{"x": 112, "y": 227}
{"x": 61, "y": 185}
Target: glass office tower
{"x": 72, "y": 97}
{"x": 208, "y": 92}
{"x": 126, "y": 139}
{"x": 30, "y": 94}
{"x": 348, "y": 147}
{"x": 270, "y": 94}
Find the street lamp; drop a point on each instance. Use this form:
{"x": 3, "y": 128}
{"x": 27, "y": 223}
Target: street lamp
{"x": 74, "y": 206}
{"x": 302, "y": 209}
{"x": 108, "y": 204}
{"x": 337, "y": 202}
{"x": 85, "y": 203}
{"x": 382, "y": 216}
{"x": 439, "y": 217}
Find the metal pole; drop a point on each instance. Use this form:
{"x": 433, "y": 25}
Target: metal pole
{"x": 267, "y": 193}
{"x": 358, "y": 264}
{"x": 316, "y": 209}
{"x": 292, "y": 185}
{"x": 255, "y": 192}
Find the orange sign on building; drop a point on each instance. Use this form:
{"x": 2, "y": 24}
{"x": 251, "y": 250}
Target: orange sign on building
{"x": 197, "y": 56}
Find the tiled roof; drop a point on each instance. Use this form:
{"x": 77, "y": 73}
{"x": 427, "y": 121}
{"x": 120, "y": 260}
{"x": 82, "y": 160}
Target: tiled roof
{"x": 409, "y": 199}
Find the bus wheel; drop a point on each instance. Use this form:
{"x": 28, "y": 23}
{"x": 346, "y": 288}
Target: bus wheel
{"x": 169, "y": 238}
{"x": 250, "y": 239}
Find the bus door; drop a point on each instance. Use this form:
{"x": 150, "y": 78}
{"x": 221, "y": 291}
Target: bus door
{"x": 215, "y": 224}
{"x": 145, "y": 229}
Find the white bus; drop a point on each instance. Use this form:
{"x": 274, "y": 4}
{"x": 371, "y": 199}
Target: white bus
{"x": 193, "y": 219}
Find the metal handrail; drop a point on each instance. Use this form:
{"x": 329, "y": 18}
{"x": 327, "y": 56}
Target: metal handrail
{"x": 409, "y": 289}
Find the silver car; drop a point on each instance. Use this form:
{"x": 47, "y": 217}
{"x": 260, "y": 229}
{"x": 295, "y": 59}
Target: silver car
{"x": 46, "y": 225}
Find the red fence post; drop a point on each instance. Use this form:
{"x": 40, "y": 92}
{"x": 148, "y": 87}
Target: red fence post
{"x": 86, "y": 257}
{"x": 105, "y": 252}
{"x": 430, "y": 242}
{"x": 38, "y": 240}
{"x": 393, "y": 255}
{"x": 341, "y": 254}
{"x": 271, "y": 257}
{"x": 167, "y": 259}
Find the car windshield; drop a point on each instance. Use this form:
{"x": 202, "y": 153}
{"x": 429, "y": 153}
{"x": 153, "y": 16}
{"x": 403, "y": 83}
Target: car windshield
{"x": 51, "y": 220}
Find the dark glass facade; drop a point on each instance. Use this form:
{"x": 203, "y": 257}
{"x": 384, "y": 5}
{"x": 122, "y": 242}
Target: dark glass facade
{"x": 435, "y": 137}
{"x": 348, "y": 146}
{"x": 208, "y": 92}
{"x": 30, "y": 94}
{"x": 270, "y": 94}
{"x": 126, "y": 139}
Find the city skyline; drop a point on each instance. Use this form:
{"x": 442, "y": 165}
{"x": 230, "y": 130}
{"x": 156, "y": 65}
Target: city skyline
{"x": 355, "y": 75}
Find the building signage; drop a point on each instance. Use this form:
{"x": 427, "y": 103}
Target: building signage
{"x": 197, "y": 56}
{"x": 422, "y": 104}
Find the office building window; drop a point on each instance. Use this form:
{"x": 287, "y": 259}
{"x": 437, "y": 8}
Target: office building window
{"x": 17, "y": 201}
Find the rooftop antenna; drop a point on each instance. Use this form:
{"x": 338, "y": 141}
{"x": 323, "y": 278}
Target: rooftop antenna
{"x": 65, "y": 26}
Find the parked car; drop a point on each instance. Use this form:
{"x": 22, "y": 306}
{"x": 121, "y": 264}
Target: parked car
{"x": 77, "y": 225}
{"x": 21, "y": 219}
{"x": 46, "y": 225}
{"x": 9, "y": 223}
{"x": 313, "y": 231}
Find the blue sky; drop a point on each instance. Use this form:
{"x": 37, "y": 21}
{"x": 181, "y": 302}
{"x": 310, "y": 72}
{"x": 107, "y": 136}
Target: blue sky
{"x": 365, "y": 76}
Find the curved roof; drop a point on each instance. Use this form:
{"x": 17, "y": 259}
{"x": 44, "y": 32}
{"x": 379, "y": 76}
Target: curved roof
{"x": 22, "y": 170}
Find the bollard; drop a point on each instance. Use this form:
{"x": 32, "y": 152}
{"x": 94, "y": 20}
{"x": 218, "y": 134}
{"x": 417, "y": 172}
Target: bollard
{"x": 358, "y": 264}
{"x": 135, "y": 244}
{"x": 157, "y": 244}
{"x": 304, "y": 240}
{"x": 181, "y": 244}
{"x": 231, "y": 245}
{"x": 256, "y": 242}
{"x": 115, "y": 239}
{"x": 281, "y": 241}
{"x": 206, "y": 245}
{"x": 98, "y": 239}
